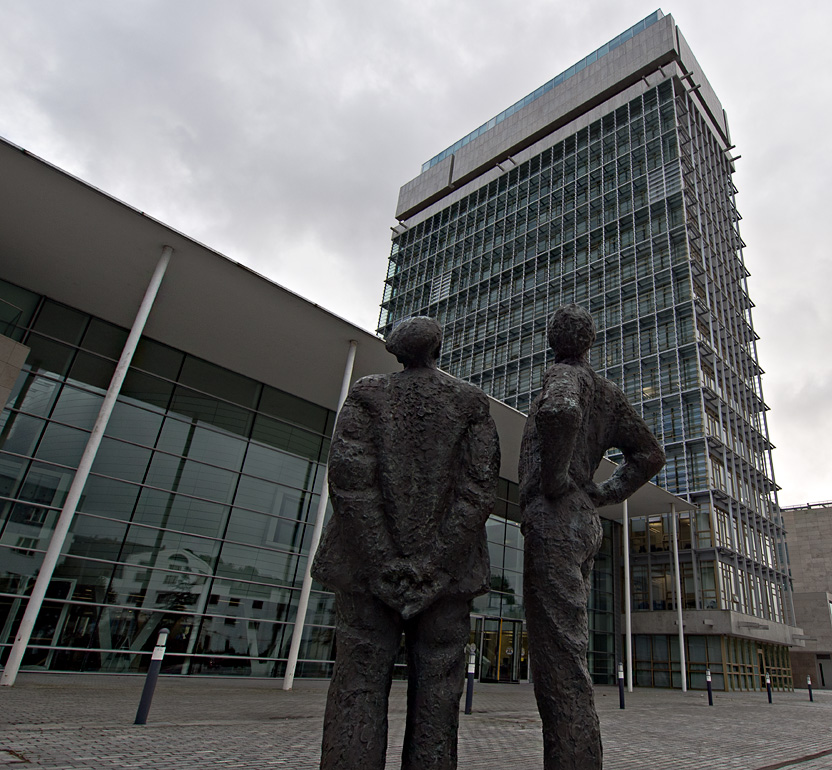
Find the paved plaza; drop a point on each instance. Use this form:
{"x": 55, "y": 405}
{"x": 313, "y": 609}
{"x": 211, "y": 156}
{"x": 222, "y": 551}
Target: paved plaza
{"x": 70, "y": 722}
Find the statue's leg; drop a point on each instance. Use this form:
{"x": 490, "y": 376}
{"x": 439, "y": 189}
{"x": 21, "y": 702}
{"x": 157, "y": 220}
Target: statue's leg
{"x": 355, "y": 723}
{"x": 556, "y": 590}
{"x": 436, "y": 641}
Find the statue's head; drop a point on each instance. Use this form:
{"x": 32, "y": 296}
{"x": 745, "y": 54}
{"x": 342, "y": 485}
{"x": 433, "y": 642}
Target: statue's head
{"x": 416, "y": 342}
{"x": 571, "y": 332}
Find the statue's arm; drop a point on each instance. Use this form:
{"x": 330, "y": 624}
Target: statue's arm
{"x": 643, "y": 457}
{"x": 558, "y": 422}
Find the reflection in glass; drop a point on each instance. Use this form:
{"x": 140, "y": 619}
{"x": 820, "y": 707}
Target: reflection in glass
{"x": 95, "y": 538}
{"x": 180, "y": 475}
{"x": 131, "y": 423}
{"x": 121, "y": 460}
{"x": 246, "y": 563}
{"x": 20, "y": 433}
{"x": 186, "y": 514}
{"x": 108, "y": 497}
{"x": 35, "y": 395}
{"x": 76, "y": 407}
{"x": 62, "y": 445}
{"x": 12, "y": 470}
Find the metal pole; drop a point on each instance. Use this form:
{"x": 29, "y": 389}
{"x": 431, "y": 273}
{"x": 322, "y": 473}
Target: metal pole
{"x": 53, "y": 552}
{"x": 152, "y": 675}
{"x": 621, "y": 685}
{"x": 303, "y": 602}
{"x": 628, "y": 609}
{"x": 682, "y": 657}
{"x": 710, "y": 690}
{"x": 472, "y": 667}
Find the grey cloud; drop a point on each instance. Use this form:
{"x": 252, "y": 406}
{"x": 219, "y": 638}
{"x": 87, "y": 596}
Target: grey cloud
{"x": 279, "y": 133}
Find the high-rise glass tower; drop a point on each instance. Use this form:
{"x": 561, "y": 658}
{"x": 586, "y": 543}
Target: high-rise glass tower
{"x": 611, "y": 186}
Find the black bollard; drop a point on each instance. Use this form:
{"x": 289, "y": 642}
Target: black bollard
{"x": 809, "y": 685}
{"x": 621, "y": 685}
{"x": 710, "y": 690}
{"x": 472, "y": 667}
{"x": 768, "y": 686}
{"x": 152, "y": 676}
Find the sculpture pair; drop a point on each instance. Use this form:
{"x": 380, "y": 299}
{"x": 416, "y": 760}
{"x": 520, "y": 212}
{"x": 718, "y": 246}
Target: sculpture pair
{"x": 412, "y": 474}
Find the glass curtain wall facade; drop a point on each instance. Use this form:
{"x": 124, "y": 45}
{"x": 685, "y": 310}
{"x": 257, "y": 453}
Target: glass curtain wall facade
{"x": 197, "y": 515}
{"x": 634, "y": 218}
{"x": 497, "y": 618}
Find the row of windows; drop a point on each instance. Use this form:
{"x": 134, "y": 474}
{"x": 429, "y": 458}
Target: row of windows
{"x": 502, "y": 265}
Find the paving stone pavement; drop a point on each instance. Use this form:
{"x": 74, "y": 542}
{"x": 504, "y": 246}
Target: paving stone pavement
{"x": 81, "y": 722}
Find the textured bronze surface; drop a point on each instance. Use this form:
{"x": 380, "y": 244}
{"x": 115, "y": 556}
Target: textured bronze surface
{"x": 412, "y": 475}
{"x": 575, "y": 419}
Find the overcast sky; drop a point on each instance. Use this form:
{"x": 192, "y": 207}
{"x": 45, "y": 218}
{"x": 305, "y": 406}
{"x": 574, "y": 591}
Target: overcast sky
{"x": 279, "y": 133}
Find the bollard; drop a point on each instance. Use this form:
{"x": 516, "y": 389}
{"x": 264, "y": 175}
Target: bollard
{"x": 710, "y": 690}
{"x": 809, "y": 685}
{"x": 621, "y": 685}
{"x": 152, "y": 676}
{"x": 472, "y": 667}
{"x": 768, "y": 686}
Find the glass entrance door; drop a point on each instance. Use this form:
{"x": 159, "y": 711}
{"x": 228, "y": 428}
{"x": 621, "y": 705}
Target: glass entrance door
{"x": 501, "y": 649}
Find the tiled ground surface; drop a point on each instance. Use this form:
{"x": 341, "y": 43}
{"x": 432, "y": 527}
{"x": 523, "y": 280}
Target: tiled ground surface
{"x": 64, "y": 722}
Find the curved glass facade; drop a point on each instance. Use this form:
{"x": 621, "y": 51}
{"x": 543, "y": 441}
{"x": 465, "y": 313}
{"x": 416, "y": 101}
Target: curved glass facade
{"x": 197, "y": 516}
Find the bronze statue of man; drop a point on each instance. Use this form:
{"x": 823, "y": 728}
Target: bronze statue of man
{"x": 413, "y": 470}
{"x": 575, "y": 419}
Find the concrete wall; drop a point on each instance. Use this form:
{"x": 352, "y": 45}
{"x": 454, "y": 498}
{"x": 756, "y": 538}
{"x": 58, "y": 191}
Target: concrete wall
{"x": 12, "y": 357}
{"x": 809, "y": 539}
{"x": 714, "y": 623}
{"x": 809, "y": 535}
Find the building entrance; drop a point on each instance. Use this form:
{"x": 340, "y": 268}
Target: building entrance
{"x": 502, "y": 649}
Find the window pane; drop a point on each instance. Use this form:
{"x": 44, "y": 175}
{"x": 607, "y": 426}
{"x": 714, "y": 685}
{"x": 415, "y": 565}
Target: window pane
{"x": 90, "y": 370}
{"x": 107, "y": 497}
{"x": 170, "y": 550}
{"x": 35, "y": 395}
{"x": 228, "y": 417}
{"x": 16, "y": 309}
{"x": 279, "y": 466}
{"x": 283, "y": 436}
{"x": 287, "y": 407}
{"x": 20, "y": 433}
{"x": 48, "y": 356}
{"x": 210, "y": 446}
{"x": 162, "y": 509}
{"x": 95, "y": 538}
{"x": 11, "y": 471}
{"x": 272, "y": 531}
{"x": 104, "y": 338}
{"x": 61, "y": 322}
{"x": 62, "y": 445}
{"x": 257, "y": 564}
{"x": 146, "y": 390}
{"x": 124, "y": 461}
{"x": 133, "y": 424}
{"x": 219, "y": 382}
{"x": 154, "y": 357}
{"x": 180, "y": 475}
{"x": 77, "y": 407}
